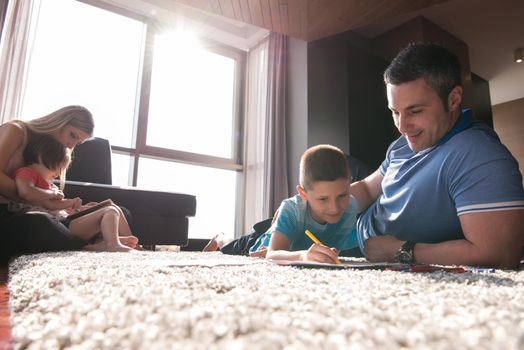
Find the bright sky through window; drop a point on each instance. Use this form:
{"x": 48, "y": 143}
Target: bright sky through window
{"x": 191, "y": 100}
{"x": 86, "y": 55}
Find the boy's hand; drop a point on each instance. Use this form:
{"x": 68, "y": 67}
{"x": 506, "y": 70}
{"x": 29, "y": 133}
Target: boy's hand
{"x": 260, "y": 253}
{"x": 321, "y": 253}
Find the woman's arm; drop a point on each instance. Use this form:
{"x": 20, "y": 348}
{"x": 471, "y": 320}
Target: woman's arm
{"x": 61, "y": 204}
{"x": 11, "y": 138}
{"x": 279, "y": 250}
{"x": 30, "y": 193}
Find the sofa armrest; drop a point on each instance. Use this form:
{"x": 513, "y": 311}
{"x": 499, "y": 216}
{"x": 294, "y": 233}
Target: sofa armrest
{"x": 159, "y": 217}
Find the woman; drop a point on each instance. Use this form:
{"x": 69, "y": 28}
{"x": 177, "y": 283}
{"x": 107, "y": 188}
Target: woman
{"x": 33, "y": 233}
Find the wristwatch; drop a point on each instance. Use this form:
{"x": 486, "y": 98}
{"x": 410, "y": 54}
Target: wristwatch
{"x": 405, "y": 254}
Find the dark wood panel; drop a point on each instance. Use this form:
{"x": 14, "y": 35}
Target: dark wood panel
{"x": 309, "y": 19}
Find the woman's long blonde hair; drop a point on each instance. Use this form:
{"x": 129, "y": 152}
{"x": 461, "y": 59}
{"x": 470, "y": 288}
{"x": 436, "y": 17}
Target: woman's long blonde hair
{"x": 76, "y": 116}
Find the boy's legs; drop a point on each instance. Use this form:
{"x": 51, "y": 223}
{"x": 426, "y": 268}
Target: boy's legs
{"x": 240, "y": 246}
{"x": 106, "y": 220}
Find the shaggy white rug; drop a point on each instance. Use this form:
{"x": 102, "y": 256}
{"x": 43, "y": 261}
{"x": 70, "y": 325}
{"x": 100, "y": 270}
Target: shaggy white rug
{"x": 166, "y": 300}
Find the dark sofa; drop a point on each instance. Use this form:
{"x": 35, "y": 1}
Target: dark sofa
{"x": 157, "y": 217}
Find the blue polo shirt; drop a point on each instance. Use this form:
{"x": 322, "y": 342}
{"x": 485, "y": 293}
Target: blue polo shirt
{"x": 424, "y": 193}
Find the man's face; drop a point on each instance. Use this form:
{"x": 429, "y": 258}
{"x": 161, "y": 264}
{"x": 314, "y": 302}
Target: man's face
{"x": 419, "y": 114}
{"x": 327, "y": 200}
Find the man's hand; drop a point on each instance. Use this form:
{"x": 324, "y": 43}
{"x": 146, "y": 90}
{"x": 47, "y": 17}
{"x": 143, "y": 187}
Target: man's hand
{"x": 381, "y": 248}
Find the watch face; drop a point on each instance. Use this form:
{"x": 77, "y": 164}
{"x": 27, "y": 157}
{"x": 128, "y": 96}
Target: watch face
{"x": 404, "y": 257}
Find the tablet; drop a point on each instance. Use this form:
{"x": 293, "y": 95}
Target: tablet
{"x": 91, "y": 209}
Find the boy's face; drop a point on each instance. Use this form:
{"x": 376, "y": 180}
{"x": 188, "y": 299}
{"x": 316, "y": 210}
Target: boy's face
{"x": 327, "y": 200}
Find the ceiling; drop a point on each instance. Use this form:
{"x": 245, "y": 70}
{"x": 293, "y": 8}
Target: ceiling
{"x": 492, "y": 29}
{"x": 308, "y": 19}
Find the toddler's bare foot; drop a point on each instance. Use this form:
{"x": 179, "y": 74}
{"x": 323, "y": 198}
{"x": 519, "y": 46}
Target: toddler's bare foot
{"x": 118, "y": 248}
{"x": 99, "y": 246}
{"x": 130, "y": 241}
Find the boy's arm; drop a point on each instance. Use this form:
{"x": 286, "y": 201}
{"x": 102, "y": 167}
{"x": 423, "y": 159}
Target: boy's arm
{"x": 366, "y": 191}
{"x": 279, "y": 250}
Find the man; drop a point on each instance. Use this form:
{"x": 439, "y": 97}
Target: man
{"x": 448, "y": 191}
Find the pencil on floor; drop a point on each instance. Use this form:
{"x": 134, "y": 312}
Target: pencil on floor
{"x": 316, "y": 241}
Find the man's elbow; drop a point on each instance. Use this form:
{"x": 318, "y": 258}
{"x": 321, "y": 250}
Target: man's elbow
{"x": 507, "y": 260}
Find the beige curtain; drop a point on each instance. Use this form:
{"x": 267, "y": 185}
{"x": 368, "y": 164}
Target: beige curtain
{"x": 13, "y": 53}
{"x": 265, "y": 145}
{"x": 275, "y": 177}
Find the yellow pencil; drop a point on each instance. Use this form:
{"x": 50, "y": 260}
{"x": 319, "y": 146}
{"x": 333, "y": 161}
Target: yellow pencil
{"x": 315, "y": 239}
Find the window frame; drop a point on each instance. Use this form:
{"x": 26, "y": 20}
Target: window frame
{"x": 140, "y": 148}
{"x": 139, "y": 139}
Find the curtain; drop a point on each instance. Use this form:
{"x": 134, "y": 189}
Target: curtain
{"x": 275, "y": 176}
{"x": 13, "y": 53}
{"x": 265, "y": 144}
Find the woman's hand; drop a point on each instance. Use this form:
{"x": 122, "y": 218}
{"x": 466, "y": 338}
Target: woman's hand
{"x": 320, "y": 253}
{"x": 70, "y": 205}
{"x": 56, "y": 194}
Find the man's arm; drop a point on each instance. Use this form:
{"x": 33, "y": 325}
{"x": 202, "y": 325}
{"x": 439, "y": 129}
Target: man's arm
{"x": 366, "y": 191}
{"x": 491, "y": 239}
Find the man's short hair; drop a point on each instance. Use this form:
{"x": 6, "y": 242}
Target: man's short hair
{"x": 323, "y": 163}
{"x": 438, "y": 66}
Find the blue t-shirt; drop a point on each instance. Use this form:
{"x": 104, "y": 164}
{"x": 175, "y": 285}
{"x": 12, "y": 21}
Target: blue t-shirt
{"x": 424, "y": 193}
{"x": 294, "y": 218}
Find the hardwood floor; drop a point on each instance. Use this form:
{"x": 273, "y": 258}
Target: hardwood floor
{"x": 5, "y": 325}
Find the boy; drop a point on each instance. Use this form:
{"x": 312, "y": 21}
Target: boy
{"x": 323, "y": 206}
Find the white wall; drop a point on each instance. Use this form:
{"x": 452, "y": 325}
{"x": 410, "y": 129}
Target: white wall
{"x": 297, "y": 108}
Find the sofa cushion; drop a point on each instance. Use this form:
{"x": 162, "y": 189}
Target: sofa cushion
{"x": 158, "y": 217}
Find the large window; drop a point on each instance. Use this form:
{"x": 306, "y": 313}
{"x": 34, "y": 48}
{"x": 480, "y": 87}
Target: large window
{"x": 168, "y": 101}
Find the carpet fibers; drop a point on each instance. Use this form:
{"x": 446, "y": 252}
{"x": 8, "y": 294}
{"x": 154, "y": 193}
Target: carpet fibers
{"x": 166, "y": 300}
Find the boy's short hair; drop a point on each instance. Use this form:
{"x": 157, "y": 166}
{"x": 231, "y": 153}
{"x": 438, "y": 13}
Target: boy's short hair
{"x": 323, "y": 163}
{"x": 439, "y": 67}
{"x": 45, "y": 149}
